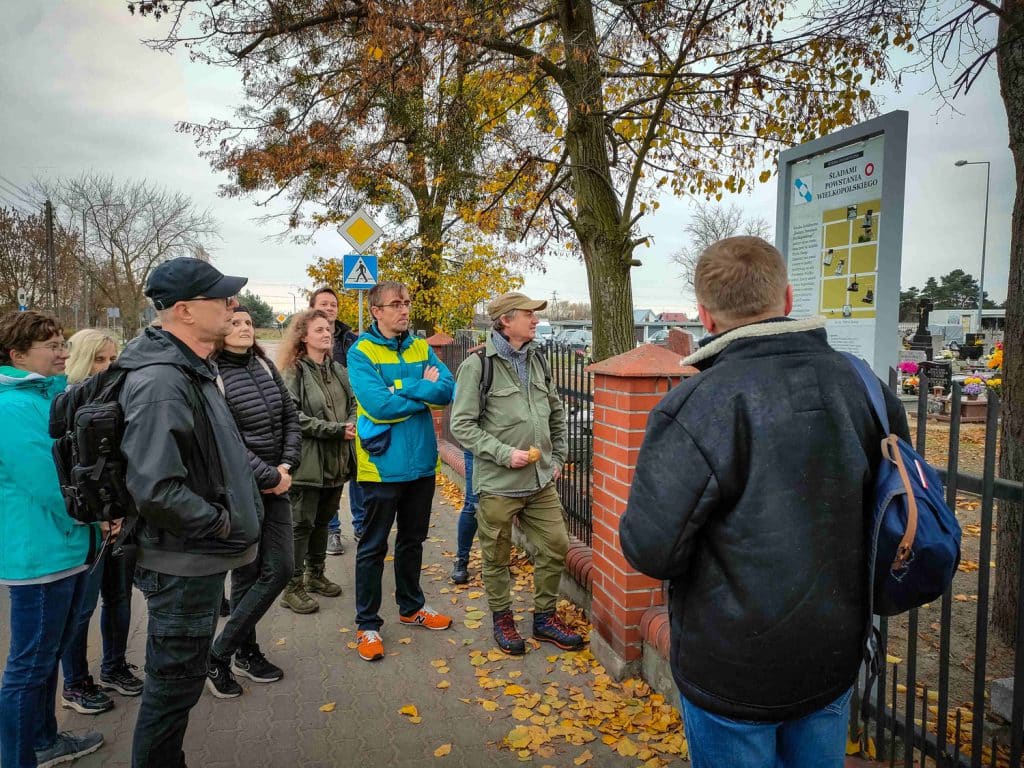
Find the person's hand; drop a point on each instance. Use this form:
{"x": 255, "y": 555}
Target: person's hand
{"x": 557, "y": 473}
{"x": 350, "y": 431}
{"x": 283, "y": 485}
{"x": 519, "y": 458}
{"x": 431, "y": 373}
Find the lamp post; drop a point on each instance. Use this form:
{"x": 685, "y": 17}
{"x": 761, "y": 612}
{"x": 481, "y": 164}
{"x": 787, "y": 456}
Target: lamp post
{"x": 984, "y": 234}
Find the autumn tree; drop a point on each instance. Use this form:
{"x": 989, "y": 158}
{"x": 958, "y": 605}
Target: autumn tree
{"x": 337, "y": 115}
{"x": 612, "y": 103}
{"x": 23, "y": 262}
{"x": 130, "y": 227}
{"x": 709, "y": 223}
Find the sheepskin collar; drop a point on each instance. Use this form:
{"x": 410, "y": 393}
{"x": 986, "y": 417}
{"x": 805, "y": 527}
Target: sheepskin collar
{"x": 773, "y": 327}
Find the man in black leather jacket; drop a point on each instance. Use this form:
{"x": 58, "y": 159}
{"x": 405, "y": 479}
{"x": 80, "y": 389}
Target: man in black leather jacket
{"x": 198, "y": 502}
{"x": 751, "y": 497}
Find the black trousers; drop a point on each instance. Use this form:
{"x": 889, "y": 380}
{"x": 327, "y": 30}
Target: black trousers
{"x": 182, "y": 620}
{"x": 254, "y": 587}
{"x": 409, "y": 504}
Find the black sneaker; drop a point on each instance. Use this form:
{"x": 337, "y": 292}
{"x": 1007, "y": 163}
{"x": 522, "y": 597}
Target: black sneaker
{"x": 85, "y": 698}
{"x": 219, "y": 680}
{"x": 506, "y": 635}
{"x": 460, "y": 573}
{"x": 122, "y": 680}
{"x": 550, "y": 628}
{"x": 254, "y": 665}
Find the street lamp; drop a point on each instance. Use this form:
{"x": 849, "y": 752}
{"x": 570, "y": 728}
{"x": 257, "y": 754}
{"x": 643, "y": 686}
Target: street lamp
{"x": 984, "y": 234}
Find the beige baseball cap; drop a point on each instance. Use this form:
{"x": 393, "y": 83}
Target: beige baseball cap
{"x": 509, "y": 301}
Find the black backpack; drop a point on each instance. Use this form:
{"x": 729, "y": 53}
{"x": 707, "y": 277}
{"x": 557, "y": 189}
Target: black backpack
{"x": 87, "y": 424}
{"x": 487, "y": 373}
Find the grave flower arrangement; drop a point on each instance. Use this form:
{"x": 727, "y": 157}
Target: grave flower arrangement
{"x": 909, "y": 367}
{"x": 973, "y": 386}
{"x": 910, "y": 385}
{"x": 995, "y": 360}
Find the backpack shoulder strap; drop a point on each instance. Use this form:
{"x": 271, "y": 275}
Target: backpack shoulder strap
{"x": 544, "y": 365}
{"x": 873, "y": 387}
{"x": 486, "y": 376}
{"x": 264, "y": 365}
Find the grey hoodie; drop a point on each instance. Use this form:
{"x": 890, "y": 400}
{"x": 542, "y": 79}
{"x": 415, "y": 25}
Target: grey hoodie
{"x": 194, "y": 521}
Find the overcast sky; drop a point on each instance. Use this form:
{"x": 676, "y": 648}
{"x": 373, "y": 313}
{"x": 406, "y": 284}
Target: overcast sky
{"x": 80, "y": 92}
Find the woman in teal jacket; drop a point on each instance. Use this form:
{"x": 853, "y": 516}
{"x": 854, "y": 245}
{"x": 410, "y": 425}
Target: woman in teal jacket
{"x": 44, "y": 553}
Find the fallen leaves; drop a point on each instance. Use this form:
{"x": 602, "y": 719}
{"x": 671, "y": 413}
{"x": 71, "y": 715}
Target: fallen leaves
{"x": 329, "y": 706}
{"x": 444, "y": 749}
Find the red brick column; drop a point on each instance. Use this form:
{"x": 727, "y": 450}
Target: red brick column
{"x": 437, "y": 342}
{"x": 626, "y": 388}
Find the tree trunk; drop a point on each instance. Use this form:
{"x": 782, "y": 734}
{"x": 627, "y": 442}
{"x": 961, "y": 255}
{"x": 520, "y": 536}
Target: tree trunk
{"x": 603, "y": 234}
{"x": 1006, "y": 599}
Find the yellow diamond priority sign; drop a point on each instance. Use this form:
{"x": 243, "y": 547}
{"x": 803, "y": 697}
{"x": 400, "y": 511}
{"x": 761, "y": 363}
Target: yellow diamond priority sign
{"x": 360, "y": 230}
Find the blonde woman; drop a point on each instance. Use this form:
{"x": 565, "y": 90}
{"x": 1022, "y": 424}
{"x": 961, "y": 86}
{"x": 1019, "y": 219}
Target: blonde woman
{"x": 327, "y": 411}
{"x": 92, "y": 351}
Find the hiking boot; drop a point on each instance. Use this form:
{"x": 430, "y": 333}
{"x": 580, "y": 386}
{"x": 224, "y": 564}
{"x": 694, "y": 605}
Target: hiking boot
{"x": 296, "y": 599}
{"x": 122, "y": 680}
{"x": 68, "y": 746}
{"x": 219, "y": 680}
{"x": 550, "y": 628}
{"x": 335, "y": 546}
{"x": 85, "y": 698}
{"x": 460, "y": 573}
{"x": 253, "y": 664}
{"x": 369, "y": 645}
{"x": 428, "y": 618}
{"x": 506, "y": 635}
{"x": 318, "y": 583}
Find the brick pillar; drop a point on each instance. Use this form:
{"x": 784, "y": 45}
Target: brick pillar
{"x": 626, "y": 388}
{"x": 437, "y": 343}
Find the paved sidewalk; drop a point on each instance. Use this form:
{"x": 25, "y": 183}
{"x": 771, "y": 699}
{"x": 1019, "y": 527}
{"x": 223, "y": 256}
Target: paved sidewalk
{"x": 556, "y": 708}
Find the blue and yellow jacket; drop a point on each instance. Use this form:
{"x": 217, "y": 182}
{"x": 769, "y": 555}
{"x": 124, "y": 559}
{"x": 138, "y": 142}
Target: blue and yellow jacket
{"x": 394, "y": 404}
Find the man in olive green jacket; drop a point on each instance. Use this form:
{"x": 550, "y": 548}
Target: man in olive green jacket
{"x": 518, "y": 442}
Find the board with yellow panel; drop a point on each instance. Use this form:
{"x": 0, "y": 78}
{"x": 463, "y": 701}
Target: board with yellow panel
{"x": 849, "y": 260}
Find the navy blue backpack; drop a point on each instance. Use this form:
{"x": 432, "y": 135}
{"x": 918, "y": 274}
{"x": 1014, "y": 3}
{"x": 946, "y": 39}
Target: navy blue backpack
{"x": 914, "y": 539}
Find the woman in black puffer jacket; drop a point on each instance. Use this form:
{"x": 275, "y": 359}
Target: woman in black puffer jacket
{"x": 269, "y": 425}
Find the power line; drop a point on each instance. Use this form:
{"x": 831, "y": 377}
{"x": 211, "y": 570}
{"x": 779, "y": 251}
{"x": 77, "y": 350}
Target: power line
{"x": 26, "y": 196}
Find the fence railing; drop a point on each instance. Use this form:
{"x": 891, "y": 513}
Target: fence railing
{"x": 573, "y": 385}
{"x": 930, "y": 705}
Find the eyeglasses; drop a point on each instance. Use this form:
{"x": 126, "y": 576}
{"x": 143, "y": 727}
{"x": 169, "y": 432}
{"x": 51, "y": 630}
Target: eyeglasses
{"x": 53, "y": 346}
{"x": 397, "y": 305}
{"x": 226, "y": 299}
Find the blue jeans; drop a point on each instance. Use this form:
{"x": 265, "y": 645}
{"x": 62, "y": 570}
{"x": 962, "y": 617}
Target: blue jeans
{"x": 112, "y": 577}
{"x": 467, "y": 518}
{"x": 356, "y": 507}
{"x": 42, "y": 621}
{"x": 817, "y": 740}
{"x": 182, "y": 618}
{"x": 408, "y": 504}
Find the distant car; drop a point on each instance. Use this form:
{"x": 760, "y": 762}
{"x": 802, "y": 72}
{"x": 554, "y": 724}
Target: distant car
{"x": 660, "y": 338}
{"x": 545, "y": 332}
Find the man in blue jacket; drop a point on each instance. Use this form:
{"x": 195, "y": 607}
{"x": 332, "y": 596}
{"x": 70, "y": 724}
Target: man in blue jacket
{"x": 44, "y": 552}
{"x": 750, "y": 496}
{"x": 397, "y": 380}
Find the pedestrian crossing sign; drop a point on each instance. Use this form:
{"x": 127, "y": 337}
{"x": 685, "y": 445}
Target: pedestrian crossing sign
{"x": 360, "y": 230}
{"x": 359, "y": 270}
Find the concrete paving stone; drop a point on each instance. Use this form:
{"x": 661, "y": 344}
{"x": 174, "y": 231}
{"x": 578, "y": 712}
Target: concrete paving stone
{"x": 279, "y": 725}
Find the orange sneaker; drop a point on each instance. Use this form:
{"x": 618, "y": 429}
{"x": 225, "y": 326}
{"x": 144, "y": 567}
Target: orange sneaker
{"x": 370, "y": 646}
{"x": 427, "y": 617}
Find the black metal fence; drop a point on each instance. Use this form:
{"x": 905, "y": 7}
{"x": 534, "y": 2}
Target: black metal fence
{"x": 573, "y": 385}
{"x": 931, "y": 707}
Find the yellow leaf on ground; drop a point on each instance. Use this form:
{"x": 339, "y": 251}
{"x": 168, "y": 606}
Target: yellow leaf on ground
{"x": 444, "y": 749}
{"x": 280, "y": 642}
{"x": 328, "y": 707}
{"x": 478, "y": 661}
{"x": 443, "y": 670}
{"x": 343, "y": 630}
{"x": 416, "y": 720}
{"x": 409, "y": 709}
{"x": 474, "y": 615}
{"x": 514, "y": 690}
{"x": 474, "y": 594}
{"x": 552, "y": 659}
{"x": 439, "y": 663}
{"x": 404, "y": 640}
{"x": 519, "y": 738}
{"x": 488, "y": 705}
{"x": 353, "y": 645}
{"x": 521, "y": 713}
{"x": 890, "y": 659}
{"x": 587, "y": 755}
{"x": 389, "y": 558}
{"x": 626, "y": 748}
{"x": 515, "y": 674}
{"x": 472, "y": 624}
{"x": 443, "y": 684}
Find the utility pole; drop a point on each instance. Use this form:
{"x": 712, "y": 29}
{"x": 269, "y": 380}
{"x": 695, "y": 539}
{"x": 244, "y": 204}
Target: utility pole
{"x": 51, "y": 263}
{"x": 554, "y": 299}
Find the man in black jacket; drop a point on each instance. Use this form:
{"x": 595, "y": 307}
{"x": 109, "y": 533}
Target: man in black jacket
{"x": 198, "y": 502}
{"x": 750, "y": 496}
{"x": 326, "y": 300}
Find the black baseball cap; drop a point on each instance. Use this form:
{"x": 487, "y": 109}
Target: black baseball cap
{"x": 185, "y": 278}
